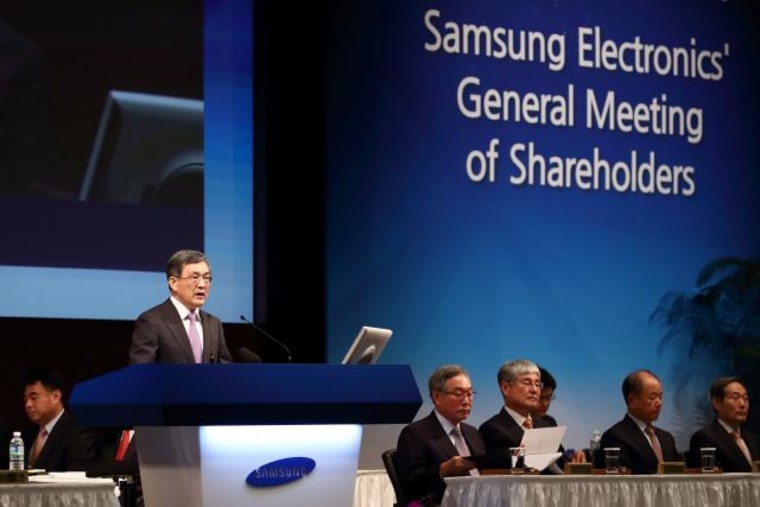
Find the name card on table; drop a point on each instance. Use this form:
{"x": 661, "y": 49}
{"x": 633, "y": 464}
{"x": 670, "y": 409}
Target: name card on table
{"x": 579, "y": 468}
{"x": 671, "y": 467}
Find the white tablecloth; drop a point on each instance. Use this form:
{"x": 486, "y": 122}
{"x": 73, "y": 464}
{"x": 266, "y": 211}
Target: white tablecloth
{"x": 373, "y": 489}
{"x": 691, "y": 490}
{"x": 60, "y": 490}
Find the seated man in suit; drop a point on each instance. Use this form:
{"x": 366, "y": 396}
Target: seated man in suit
{"x": 520, "y": 385}
{"x": 735, "y": 448}
{"x": 433, "y": 448}
{"x": 642, "y": 446}
{"x": 177, "y": 330}
{"x": 58, "y": 443}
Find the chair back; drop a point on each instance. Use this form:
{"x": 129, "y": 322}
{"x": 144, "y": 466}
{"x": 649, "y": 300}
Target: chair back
{"x": 389, "y": 461}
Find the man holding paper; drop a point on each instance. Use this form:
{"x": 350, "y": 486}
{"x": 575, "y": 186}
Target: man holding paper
{"x": 440, "y": 444}
{"x": 520, "y": 385}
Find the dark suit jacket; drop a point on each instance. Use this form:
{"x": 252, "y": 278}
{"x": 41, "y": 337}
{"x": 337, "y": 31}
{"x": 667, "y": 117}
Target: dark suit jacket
{"x": 550, "y": 421}
{"x": 105, "y": 463}
{"x": 727, "y": 454}
{"x": 501, "y": 432}
{"x": 159, "y": 336}
{"x": 635, "y": 450}
{"x": 422, "y": 446}
{"x": 69, "y": 447}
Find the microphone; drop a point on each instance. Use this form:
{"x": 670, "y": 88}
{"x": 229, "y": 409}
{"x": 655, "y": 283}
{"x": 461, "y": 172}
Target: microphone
{"x": 244, "y": 355}
{"x": 269, "y": 336}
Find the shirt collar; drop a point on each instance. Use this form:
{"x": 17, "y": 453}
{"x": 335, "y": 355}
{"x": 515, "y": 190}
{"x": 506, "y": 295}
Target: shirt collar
{"x": 729, "y": 429}
{"x": 519, "y": 418}
{"x": 641, "y": 424}
{"x": 183, "y": 310}
{"x": 49, "y": 426}
{"x": 445, "y": 423}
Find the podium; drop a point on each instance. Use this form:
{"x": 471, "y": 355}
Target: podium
{"x": 248, "y": 434}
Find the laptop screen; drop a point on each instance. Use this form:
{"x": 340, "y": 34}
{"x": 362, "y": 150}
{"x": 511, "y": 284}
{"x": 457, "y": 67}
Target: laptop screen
{"x": 367, "y": 345}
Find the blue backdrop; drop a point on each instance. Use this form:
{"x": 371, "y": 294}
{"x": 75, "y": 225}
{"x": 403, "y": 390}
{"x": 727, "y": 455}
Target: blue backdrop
{"x": 638, "y": 122}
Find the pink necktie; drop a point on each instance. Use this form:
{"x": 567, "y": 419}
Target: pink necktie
{"x": 655, "y": 443}
{"x": 195, "y": 339}
{"x": 528, "y": 423}
{"x": 742, "y": 445}
{"x": 39, "y": 442}
{"x": 461, "y": 446}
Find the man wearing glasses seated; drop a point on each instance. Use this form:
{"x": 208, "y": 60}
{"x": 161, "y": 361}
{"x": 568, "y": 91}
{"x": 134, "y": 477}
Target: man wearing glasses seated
{"x": 735, "y": 448}
{"x": 177, "y": 330}
{"x": 520, "y": 385}
{"x": 437, "y": 446}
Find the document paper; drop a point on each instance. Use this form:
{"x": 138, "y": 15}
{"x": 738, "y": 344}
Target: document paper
{"x": 541, "y": 446}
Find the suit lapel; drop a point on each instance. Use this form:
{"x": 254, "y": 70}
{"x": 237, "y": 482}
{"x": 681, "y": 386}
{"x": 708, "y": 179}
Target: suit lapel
{"x": 51, "y": 441}
{"x": 752, "y": 442}
{"x": 46, "y": 449}
{"x": 641, "y": 440}
{"x": 207, "y": 338}
{"x": 178, "y": 331}
{"x": 729, "y": 443}
{"x": 470, "y": 439}
{"x": 733, "y": 447}
{"x": 441, "y": 439}
{"x": 514, "y": 430}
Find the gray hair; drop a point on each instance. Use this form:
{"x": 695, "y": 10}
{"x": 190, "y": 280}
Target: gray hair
{"x": 513, "y": 369}
{"x": 181, "y": 258}
{"x": 437, "y": 381}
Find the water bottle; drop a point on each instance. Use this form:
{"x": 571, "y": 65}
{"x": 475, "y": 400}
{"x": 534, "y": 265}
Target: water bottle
{"x": 595, "y": 445}
{"x": 16, "y": 452}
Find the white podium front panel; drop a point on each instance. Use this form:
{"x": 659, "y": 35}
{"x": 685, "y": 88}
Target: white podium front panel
{"x": 209, "y": 465}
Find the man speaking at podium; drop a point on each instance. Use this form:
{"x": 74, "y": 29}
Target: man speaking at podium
{"x": 177, "y": 330}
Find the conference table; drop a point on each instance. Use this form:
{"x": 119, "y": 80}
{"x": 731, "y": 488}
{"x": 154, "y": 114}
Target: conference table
{"x": 66, "y": 489}
{"x": 676, "y": 490}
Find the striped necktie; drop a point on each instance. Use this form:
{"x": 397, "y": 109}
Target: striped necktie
{"x": 655, "y": 443}
{"x": 461, "y": 446}
{"x": 742, "y": 445}
{"x": 39, "y": 443}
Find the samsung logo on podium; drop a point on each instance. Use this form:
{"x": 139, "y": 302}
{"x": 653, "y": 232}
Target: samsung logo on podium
{"x": 279, "y": 472}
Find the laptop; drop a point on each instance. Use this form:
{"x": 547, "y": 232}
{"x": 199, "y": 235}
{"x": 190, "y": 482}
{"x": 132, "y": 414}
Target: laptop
{"x": 367, "y": 346}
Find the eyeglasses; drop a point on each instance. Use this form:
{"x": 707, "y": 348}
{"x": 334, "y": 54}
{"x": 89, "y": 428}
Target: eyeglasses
{"x": 196, "y": 279}
{"x": 737, "y": 397}
{"x": 549, "y": 397}
{"x": 529, "y": 383}
{"x": 460, "y": 394}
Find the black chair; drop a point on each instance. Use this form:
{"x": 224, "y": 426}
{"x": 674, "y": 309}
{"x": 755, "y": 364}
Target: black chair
{"x": 389, "y": 460}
